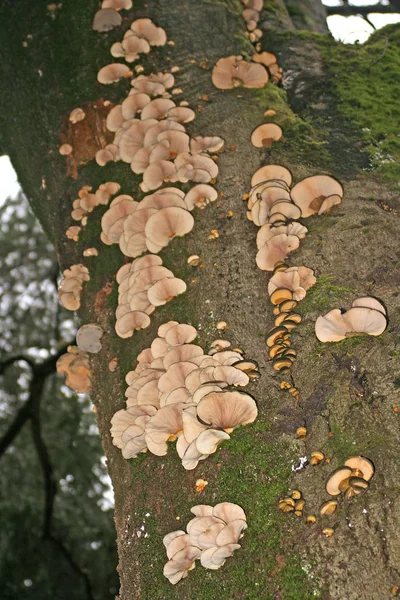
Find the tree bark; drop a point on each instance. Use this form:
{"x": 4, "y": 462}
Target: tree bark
{"x": 345, "y": 390}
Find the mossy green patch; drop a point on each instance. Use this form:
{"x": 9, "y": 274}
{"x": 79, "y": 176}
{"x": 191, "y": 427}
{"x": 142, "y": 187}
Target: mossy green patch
{"x": 323, "y": 296}
{"x": 362, "y": 78}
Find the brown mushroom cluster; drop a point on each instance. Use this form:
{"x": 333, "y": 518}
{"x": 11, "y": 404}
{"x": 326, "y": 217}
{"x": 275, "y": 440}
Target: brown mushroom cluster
{"x": 150, "y": 136}
{"x": 150, "y": 225}
{"x": 70, "y": 289}
{"x": 251, "y": 15}
{"x": 75, "y": 366}
{"x": 143, "y": 285}
{"x": 294, "y": 503}
{"x": 351, "y": 479}
{"x": 211, "y": 536}
{"x": 287, "y": 286}
{"x": 177, "y": 392}
{"x": 367, "y": 316}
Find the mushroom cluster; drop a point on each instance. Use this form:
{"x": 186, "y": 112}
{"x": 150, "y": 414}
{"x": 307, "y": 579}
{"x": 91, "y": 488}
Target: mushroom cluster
{"x": 143, "y": 285}
{"x": 212, "y": 536}
{"x": 287, "y": 286}
{"x": 275, "y": 207}
{"x": 87, "y": 201}
{"x": 294, "y": 503}
{"x": 69, "y": 292}
{"x": 138, "y": 39}
{"x": 251, "y": 15}
{"x": 351, "y": 479}
{"x": 149, "y": 225}
{"x": 75, "y": 366}
{"x": 150, "y": 136}
{"x": 367, "y": 316}
{"x": 176, "y": 392}
{"x": 233, "y": 72}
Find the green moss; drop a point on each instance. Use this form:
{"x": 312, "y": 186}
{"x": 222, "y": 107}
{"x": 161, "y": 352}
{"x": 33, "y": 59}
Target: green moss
{"x": 396, "y": 382}
{"x": 301, "y": 142}
{"x": 362, "y": 78}
{"x": 233, "y": 6}
{"x": 251, "y": 471}
{"x": 323, "y": 296}
{"x": 349, "y": 441}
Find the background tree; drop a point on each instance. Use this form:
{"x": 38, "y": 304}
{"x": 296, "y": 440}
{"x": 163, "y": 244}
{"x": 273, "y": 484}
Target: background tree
{"x": 57, "y": 527}
{"x": 339, "y": 113}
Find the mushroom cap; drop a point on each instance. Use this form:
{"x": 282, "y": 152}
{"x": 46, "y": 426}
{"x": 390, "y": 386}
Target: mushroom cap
{"x": 105, "y": 19}
{"x": 112, "y": 73}
{"x": 158, "y": 172}
{"x": 335, "y": 479}
{"x": 365, "y": 320}
{"x": 207, "y": 442}
{"x": 117, "y": 4}
{"x": 271, "y": 172}
{"x": 265, "y": 134}
{"x": 276, "y": 250}
{"x": 310, "y": 193}
{"x": 331, "y": 327}
{"x": 360, "y": 463}
{"x": 370, "y": 302}
{"x": 226, "y": 410}
{"x": 168, "y": 223}
{"x": 134, "y": 320}
{"x": 180, "y": 334}
{"x": 181, "y": 114}
{"x": 130, "y": 106}
{"x": 146, "y": 29}
{"x": 157, "y": 109}
{"x": 200, "y": 195}
{"x": 214, "y": 558}
{"x": 88, "y": 338}
{"x": 177, "y": 568}
{"x": 328, "y": 507}
{"x": 165, "y": 290}
{"x": 265, "y": 58}
{"x": 206, "y": 144}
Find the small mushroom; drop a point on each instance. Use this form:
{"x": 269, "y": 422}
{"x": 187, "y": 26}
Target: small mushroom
{"x": 361, "y": 467}
{"x": 264, "y": 135}
{"x": 105, "y": 19}
{"x": 112, "y": 73}
{"x": 233, "y": 72}
{"x": 328, "y": 508}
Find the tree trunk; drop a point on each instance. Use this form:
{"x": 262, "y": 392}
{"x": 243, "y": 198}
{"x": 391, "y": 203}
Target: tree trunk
{"x": 49, "y": 62}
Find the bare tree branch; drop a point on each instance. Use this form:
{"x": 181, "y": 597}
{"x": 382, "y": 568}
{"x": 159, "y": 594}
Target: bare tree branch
{"x": 39, "y": 374}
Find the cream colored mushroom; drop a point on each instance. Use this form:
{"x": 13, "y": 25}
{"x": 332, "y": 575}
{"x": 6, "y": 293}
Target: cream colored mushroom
{"x": 272, "y": 172}
{"x": 165, "y": 290}
{"x": 65, "y": 149}
{"x": 200, "y": 195}
{"x": 117, "y": 4}
{"x": 132, "y": 321}
{"x": 336, "y": 326}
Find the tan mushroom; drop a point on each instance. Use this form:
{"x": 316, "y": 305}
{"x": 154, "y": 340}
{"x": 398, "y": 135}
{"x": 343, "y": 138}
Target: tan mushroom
{"x": 132, "y": 321}
{"x": 265, "y": 58}
{"x": 65, "y": 149}
{"x": 264, "y": 135}
{"x": 361, "y": 467}
{"x": 166, "y": 224}
{"x": 145, "y": 28}
{"x": 112, "y": 73}
{"x": 275, "y": 250}
{"x": 184, "y": 561}
{"x": 117, "y": 4}
{"x": 72, "y": 232}
{"x": 76, "y": 115}
{"x": 165, "y": 290}
{"x": 200, "y": 195}
{"x": 130, "y": 48}
{"x": 75, "y": 365}
{"x": 227, "y": 410}
{"x": 270, "y": 173}
{"x": 311, "y": 194}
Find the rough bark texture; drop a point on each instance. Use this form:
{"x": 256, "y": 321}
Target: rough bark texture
{"x": 348, "y": 389}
